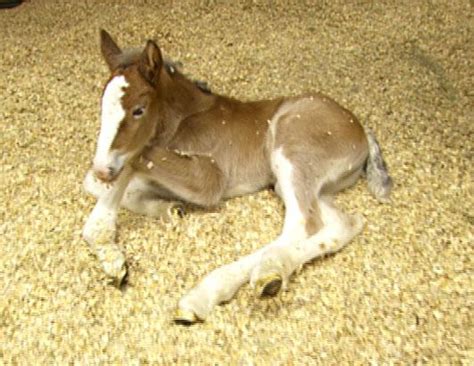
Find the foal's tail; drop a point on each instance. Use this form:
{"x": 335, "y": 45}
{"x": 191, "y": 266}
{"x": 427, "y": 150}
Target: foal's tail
{"x": 380, "y": 183}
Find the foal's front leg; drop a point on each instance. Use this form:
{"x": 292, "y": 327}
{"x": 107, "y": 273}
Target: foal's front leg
{"x": 100, "y": 228}
{"x": 192, "y": 178}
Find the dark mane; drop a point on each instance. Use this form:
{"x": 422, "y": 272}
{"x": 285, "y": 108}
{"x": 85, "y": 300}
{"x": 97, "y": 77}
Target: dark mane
{"x": 130, "y": 56}
{"x": 174, "y": 67}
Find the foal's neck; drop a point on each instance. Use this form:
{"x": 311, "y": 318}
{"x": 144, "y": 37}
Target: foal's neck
{"x": 179, "y": 98}
{"x": 183, "y": 96}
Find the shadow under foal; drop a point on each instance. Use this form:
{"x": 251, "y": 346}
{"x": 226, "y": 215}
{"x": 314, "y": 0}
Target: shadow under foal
{"x": 164, "y": 137}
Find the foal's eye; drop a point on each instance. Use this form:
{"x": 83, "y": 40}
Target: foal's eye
{"x": 138, "y": 112}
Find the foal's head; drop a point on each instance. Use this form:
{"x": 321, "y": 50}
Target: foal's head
{"x": 129, "y": 105}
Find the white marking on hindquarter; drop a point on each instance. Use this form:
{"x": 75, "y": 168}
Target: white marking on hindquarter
{"x": 294, "y": 219}
{"x": 287, "y": 110}
{"x": 111, "y": 115}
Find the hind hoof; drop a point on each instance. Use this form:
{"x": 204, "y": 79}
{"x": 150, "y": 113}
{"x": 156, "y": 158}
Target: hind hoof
{"x": 269, "y": 285}
{"x": 185, "y": 317}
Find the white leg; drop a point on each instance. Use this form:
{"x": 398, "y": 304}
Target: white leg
{"x": 139, "y": 197}
{"x": 270, "y": 267}
{"x": 100, "y": 228}
{"x": 282, "y": 255}
{"x": 337, "y": 231}
{"x": 275, "y": 267}
{"x": 221, "y": 284}
{"x": 218, "y": 286}
{"x": 93, "y": 186}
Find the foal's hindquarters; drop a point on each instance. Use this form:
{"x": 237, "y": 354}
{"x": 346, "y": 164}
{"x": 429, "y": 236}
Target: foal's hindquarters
{"x": 316, "y": 148}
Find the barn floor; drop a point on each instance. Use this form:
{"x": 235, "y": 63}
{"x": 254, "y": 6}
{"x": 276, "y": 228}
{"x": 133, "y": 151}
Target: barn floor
{"x": 401, "y": 291}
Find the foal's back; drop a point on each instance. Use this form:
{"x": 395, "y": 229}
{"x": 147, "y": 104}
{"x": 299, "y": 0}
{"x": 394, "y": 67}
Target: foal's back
{"x": 240, "y": 136}
{"x": 235, "y": 135}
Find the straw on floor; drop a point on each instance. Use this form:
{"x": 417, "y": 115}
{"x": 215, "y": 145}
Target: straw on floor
{"x": 401, "y": 291}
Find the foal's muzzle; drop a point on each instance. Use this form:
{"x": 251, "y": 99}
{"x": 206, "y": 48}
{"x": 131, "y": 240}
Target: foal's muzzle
{"x": 107, "y": 168}
{"x": 106, "y": 175}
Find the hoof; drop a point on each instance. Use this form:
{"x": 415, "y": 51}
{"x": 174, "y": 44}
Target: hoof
{"x": 185, "y": 317}
{"x": 269, "y": 285}
{"x": 166, "y": 211}
{"x": 178, "y": 210}
{"x": 113, "y": 263}
{"x": 120, "y": 281}
{"x": 117, "y": 272}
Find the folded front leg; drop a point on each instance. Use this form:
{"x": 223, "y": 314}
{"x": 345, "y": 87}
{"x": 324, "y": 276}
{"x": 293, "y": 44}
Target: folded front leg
{"x": 140, "y": 197}
{"x": 192, "y": 178}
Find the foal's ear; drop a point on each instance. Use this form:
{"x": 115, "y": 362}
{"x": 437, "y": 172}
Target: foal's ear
{"x": 151, "y": 62}
{"x": 110, "y": 50}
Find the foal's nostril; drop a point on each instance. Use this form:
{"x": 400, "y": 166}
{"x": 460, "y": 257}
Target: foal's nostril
{"x": 104, "y": 175}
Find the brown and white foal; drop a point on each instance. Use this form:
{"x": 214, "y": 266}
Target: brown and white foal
{"x": 165, "y": 137}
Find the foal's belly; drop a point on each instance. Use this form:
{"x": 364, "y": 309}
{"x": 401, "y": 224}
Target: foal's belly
{"x": 245, "y": 188}
{"x": 249, "y": 178}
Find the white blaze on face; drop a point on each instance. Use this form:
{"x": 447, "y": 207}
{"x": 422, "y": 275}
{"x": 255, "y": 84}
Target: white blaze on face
{"x": 111, "y": 116}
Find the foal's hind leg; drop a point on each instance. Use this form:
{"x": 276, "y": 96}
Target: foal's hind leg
{"x": 221, "y": 284}
{"x": 338, "y": 230}
{"x": 139, "y": 197}
{"x": 313, "y": 226}
{"x": 302, "y": 219}
{"x": 279, "y": 262}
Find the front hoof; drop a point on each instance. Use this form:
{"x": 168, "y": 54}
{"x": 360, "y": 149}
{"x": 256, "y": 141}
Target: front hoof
{"x": 113, "y": 262}
{"x": 269, "y": 285}
{"x": 185, "y": 317}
